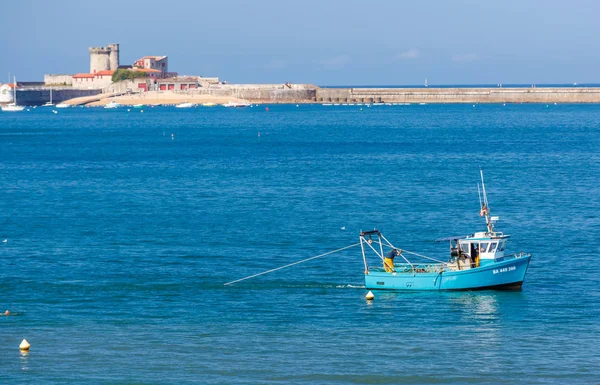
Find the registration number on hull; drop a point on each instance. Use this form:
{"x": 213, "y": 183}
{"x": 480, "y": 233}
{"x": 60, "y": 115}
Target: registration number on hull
{"x": 504, "y": 269}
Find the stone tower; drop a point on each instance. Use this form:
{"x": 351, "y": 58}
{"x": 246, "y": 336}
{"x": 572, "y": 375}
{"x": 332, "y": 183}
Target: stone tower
{"x": 104, "y": 58}
{"x": 99, "y": 59}
{"x": 113, "y": 56}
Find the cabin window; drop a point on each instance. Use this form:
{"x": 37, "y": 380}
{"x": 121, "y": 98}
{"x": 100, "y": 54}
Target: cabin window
{"x": 501, "y": 246}
{"x": 483, "y": 247}
{"x": 493, "y": 246}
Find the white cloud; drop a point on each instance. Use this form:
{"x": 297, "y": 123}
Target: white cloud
{"x": 336, "y": 61}
{"x": 412, "y": 53}
{"x": 465, "y": 58}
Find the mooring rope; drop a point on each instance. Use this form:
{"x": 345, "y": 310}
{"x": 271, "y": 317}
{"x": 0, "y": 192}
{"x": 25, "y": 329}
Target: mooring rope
{"x": 291, "y": 264}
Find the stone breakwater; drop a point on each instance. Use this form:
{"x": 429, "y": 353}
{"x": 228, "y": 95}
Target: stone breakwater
{"x": 457, "y": 95}
{"x": 308, "y": 93}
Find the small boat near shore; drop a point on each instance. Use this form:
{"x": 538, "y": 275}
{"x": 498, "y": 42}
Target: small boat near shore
{"x": 112, "y": 104}
{"x": 476, "y": 262}
{"x": 236, "y": 104}
{"x": 185, "y": 105}
{"x": 62, "y": 105}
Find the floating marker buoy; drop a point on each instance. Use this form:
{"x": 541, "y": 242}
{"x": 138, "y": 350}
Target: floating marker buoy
{"x": 24, "y": 345}
{"x": 343, "y": 227}
{"x": 370, "y": 296}
{"x": 7, "y": 313}
{"x": 4, "y": 241}
{"x": 141, "y": 110}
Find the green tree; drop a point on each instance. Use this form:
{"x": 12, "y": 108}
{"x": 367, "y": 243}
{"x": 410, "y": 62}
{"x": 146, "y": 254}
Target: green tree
{"x": 125, "y": 74}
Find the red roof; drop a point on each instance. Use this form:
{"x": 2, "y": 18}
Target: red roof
{"x": 105, "y": 73}
{"x": 84, "y": 75}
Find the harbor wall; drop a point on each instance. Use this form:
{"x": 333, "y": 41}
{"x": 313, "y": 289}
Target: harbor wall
{"x": 40, "y": 95}
{"x": 263, "y": 93}
{"x": 458, "y": 95}
{"x": 66, "y": 80}
{"x": 308, "y": 93}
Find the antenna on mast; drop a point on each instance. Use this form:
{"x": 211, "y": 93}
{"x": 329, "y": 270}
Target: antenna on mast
{"x": 485, "y": 209}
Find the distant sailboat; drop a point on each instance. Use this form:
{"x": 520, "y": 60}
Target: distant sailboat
{"x": 426, "y": 85}
{"x": 13, "y": 107}
{"x": 49, "y": 104}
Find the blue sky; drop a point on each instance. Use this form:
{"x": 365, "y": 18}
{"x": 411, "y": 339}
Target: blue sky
{"x": 325, "y": 42}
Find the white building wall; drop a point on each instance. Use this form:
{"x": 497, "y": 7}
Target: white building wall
{"x": 58, "y": 79}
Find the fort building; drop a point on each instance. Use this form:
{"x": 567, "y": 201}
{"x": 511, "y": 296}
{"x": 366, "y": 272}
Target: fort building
{"x": 104, "y": 58}
{"x": 160, "y": 63}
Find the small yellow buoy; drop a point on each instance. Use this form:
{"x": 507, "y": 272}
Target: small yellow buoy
{"x": 24, "y": 345}
{"x": 370, "y": 296}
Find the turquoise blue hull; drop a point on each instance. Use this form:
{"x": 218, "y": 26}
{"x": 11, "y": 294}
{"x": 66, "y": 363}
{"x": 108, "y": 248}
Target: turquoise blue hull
{"x": 507, "y": 274}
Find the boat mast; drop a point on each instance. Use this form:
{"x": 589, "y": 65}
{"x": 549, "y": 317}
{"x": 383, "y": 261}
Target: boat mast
{"x": 485, "y": 209}
{"x": 15, "y": 91}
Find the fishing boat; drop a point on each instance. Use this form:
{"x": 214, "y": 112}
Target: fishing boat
{"x": 13, "y": 107}
{"x": 477, "y": 262}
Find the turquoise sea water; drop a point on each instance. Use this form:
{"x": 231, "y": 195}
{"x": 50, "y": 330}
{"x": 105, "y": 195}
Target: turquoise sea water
{"x": 121, "y": 229}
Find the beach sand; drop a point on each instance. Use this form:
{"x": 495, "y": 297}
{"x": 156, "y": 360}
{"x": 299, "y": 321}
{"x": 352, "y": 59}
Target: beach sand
{"x": 153, "y": 97}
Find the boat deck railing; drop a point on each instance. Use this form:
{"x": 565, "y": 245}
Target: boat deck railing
{"x": 405, "y": 268}
{"x": 419, "y": 268}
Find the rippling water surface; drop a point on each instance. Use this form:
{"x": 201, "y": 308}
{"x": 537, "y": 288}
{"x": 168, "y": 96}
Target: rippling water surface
{"x": 120, "y": 228}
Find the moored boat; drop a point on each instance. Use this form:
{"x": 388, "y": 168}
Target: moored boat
{"x": 13, "y": 107}
{"x": 49, "y": 103}
{"x": 476, "y": 262}
{"x": 236, "y": 104}
{"x": 185, "y": 105}
{"x": 112, "y": 104}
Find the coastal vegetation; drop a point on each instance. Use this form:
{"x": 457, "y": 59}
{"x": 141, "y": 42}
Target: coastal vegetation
{"x": 125, "y": 74}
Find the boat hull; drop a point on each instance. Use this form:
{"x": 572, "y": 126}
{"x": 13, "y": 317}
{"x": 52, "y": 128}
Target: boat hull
{"x": 507, "y": 274}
